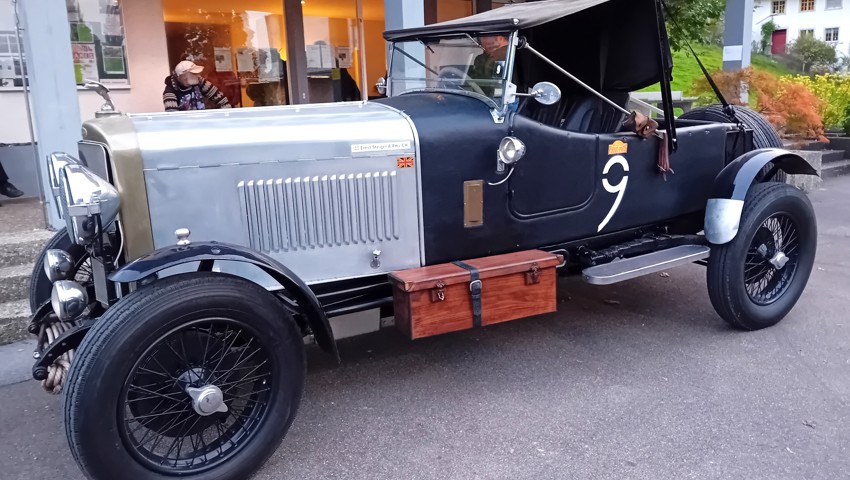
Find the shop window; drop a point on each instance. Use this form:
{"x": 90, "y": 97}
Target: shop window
{"x": 807, "y": 5}
{"x": 778, "y": 7}
{"x": 241, "y": 46}
{"x": 98, "y": 42}
{"x": 831, "y": 34}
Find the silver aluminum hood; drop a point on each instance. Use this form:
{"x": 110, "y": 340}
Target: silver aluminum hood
{"x": 321, "y": 188}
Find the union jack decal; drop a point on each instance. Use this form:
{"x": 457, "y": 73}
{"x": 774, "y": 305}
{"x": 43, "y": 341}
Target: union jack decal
{"x": 405, "y": 162}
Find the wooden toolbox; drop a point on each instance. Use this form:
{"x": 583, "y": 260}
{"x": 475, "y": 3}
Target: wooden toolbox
{"x": 441, "y": 298}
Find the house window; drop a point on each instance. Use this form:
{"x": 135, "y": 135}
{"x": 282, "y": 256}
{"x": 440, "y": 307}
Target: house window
{"x": 778, "y": 7}
{"x": 831, "y": 34}
{"x": 809, "y": 32}
{"x": 834, "y": 4}
{"x": 11, "y": 73}
{"x": 807, "y": 5}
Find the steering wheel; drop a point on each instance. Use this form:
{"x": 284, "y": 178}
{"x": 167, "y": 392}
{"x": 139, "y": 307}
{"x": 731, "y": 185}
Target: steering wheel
{"x": 452, "y": 77}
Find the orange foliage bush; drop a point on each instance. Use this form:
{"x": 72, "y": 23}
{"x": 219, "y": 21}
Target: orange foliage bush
{"x": 789, "y": 106}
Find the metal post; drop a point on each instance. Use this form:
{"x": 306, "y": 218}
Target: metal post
{"x": 296, "y": 52}
{"x": 400, "y": 14}
{"x": 361, "y": 40}
{"x": 737, "y": 37}
{"x": 50, "y": 68}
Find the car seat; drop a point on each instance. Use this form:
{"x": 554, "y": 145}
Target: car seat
{"x": 591, "y": 114}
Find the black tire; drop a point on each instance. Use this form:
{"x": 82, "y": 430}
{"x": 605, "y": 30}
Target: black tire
{"x": 40, "y": 285}
{"x": 764, "y": 135}
{"x": 110, "y": 360}
{"x": 745, "y": 288}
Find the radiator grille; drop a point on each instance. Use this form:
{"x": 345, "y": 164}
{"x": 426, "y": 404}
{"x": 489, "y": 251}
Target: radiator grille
{"x": 295, "y": 213}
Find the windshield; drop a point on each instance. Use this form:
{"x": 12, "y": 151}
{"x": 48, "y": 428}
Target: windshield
{"x": 474, "y": 65}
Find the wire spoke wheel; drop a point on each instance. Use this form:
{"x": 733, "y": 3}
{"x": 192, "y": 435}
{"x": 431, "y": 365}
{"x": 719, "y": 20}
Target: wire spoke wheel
{"x": 757, "y": 278}
{"x": 771, "y": 260}
{"x": 196, "y": 396}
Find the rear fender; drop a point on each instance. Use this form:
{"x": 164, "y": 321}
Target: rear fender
{"x": 726, "y": 202}
{"x": 161, "y": 259}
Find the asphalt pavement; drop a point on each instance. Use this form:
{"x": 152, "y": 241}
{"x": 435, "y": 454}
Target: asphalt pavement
{"x": 641, "y": 380}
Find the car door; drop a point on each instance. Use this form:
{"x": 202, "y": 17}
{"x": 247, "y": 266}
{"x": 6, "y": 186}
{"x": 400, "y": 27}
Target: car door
{"x": 575, "y": 185}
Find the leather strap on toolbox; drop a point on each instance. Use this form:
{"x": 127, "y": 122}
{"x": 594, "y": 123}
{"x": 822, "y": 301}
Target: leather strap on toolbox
{"x": 474, "y": 291}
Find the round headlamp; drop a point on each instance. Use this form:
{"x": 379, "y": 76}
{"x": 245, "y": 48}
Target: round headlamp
{"x": 58, "y": 265}
{"x": 511, "y": 149}
{"x": 69, "y": 300}
{"x": 90, "y": 202}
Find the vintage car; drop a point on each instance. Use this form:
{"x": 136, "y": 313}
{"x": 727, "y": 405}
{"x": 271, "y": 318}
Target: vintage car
{"x": 204, "y": 249}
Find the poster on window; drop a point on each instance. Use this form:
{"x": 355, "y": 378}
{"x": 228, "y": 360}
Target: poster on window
{"x": 343, "y": 57}
{"x": 246, "y": 60}
{"x": 113, "y": 60}
{"x": 81, "y": 33}
{"x": 85, "y": 62}
{"x": 223, "y": 59}
{"x": 112, "y": 25}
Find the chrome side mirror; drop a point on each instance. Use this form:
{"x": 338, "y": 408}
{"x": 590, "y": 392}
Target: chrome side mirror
{"x": 546, "y": 93}
{"x": 381, "y": 86}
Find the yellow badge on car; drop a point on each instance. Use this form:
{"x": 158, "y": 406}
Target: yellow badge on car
{"x": 404, "y": 162}
{"x": 618, "y": 148}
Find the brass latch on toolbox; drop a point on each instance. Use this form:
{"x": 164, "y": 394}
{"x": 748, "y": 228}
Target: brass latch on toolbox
{"x": 438, "y": 293}
{"x": 533, "y": 276}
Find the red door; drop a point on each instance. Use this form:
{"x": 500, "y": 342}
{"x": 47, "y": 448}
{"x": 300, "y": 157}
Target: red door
{"x": 778, "y": 41}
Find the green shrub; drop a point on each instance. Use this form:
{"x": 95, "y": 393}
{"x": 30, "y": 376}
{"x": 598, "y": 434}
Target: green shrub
{"x": 833, "y": 91}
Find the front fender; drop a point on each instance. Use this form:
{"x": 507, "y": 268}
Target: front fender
{"x": 726, "y": 203}
{"x": 163, "y": 258}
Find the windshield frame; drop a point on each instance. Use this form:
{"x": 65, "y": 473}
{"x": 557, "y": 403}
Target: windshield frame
{"x": 498, "y": 109}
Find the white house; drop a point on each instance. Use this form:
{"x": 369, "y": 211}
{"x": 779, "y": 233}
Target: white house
{"x": 827, "y": 20}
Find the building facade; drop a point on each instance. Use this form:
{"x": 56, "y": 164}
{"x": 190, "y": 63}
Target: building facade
{"x": 827, "y": 20}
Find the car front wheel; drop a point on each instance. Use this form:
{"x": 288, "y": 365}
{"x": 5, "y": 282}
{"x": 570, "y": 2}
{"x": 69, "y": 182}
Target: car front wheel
{"x": 198, "y": 376}
{"x": 757, "y": 278}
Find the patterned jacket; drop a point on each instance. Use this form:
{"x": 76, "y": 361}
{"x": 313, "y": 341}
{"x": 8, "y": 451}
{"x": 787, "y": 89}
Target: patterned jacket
{"x": 177, "y": 98}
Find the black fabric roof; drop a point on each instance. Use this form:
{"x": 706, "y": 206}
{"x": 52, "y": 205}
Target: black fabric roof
{"x": 509, "y": 17}
{"x": 612, "y": 45}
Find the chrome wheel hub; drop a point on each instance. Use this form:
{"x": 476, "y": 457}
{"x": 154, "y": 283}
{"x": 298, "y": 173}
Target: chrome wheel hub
{"x": 779, "y": 260}
{"x": 207, "y": 400}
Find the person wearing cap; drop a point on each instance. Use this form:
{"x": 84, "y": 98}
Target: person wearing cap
{"x": 185, "y": 89}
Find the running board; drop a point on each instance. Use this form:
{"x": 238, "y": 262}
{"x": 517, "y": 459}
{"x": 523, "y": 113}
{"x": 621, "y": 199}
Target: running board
{"x": 626, "y": 269}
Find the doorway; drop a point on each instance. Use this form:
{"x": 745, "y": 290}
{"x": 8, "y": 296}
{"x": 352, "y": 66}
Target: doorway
{"x": 779, "y": 40}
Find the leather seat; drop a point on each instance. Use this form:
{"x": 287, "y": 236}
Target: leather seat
{"x": 585, "y": 113}
{"x": 591, "y": 114}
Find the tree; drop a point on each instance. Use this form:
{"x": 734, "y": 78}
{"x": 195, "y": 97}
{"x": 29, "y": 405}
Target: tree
{"x": 694, "y": 21}
{"x": 813, "y": 52}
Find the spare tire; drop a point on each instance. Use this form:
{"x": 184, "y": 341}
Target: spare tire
{"x": 764, "y": 135}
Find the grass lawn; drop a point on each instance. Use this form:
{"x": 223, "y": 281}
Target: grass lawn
{"x": 686, "y": 69}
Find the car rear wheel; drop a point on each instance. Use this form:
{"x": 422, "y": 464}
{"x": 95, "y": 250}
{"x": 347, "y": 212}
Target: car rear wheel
{"x": 198, "y": 376}
{"x": 764, "y": 135}
{"x": 757, "y": 278}
{"x": 41, "y": 286}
